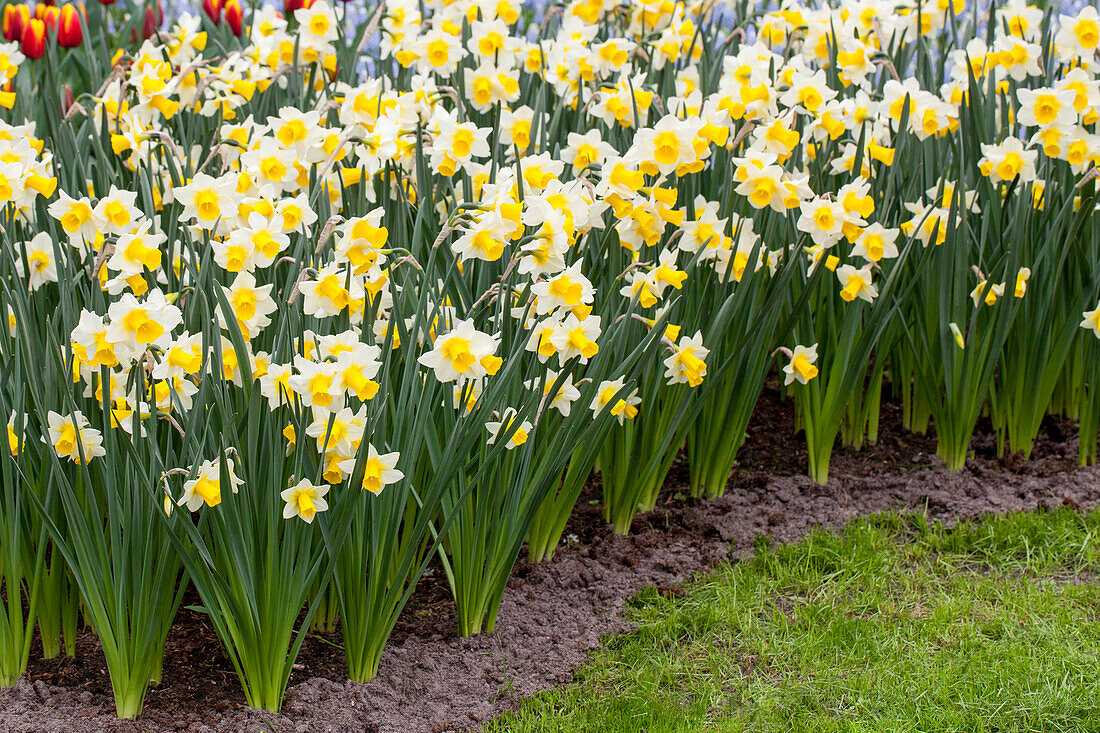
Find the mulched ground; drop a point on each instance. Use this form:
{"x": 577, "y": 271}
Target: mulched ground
{"x": 554, "y": 614}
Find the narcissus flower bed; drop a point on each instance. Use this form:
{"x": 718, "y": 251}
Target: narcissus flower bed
{"x": 282, "y": 330}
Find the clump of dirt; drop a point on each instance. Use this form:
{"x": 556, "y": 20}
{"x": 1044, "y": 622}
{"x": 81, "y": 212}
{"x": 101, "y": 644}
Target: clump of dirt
{"x": 553, "y": 614}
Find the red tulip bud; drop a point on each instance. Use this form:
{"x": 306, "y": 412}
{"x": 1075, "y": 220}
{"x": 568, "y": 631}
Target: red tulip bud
{"x": 149, "y": 23}
{"x": 234, "y": 17}
{"x": 213, "y": 10}
{"x": 291, "y": 5}
{"x": 33, "y": 43}
{"x": 67, "y": 100}
{"x": 69, "y": 31}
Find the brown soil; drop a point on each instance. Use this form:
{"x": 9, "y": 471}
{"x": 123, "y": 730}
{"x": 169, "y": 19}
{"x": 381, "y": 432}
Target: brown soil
{"x": 554, "y": 614}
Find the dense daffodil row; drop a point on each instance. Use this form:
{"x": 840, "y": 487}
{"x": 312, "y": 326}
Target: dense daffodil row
{"x": 284, "y": 329}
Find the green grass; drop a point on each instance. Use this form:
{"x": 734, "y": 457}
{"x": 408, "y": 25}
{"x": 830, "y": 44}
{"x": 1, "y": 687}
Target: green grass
{"x": 892, "y": 624}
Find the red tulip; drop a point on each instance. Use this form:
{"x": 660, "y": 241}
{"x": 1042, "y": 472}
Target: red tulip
{"x": 234, "y": 16}
{"x": 70, "y": 33}
{"x": 15, "y": 20}
{"x": 33, "y": 43}
{"x": 48, "y": 14}
{"x": 106, "y": 2}
{"x": 291, "y": 5}
{"x": 213, "y": 10}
